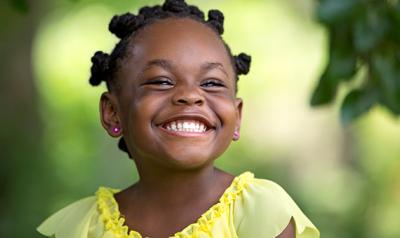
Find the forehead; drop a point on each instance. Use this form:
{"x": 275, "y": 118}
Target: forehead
{"x": 183, "y": 41}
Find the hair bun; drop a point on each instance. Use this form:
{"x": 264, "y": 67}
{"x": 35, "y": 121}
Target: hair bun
{"x": 196, "y": 12}
{"x": 216, "y": 19}
{"x": 99, "y": 69}
{"x": 149, "y": 12}
{"x": 122, "y": 146}
{"x": 176, "y": 6}
{"x": 242, "y": 63}
{"x": 123, "y": 25}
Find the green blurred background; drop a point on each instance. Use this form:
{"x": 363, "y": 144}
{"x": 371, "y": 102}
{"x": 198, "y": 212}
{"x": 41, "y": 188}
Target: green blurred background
{"x": 54, "y": 150}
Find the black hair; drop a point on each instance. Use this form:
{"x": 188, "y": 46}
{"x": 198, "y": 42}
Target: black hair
{"x": 126, "y": 26}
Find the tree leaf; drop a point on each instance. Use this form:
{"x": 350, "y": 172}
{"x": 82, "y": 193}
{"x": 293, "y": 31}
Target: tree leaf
{"x": 342, "y": 65}
{"x": 342, "y": 59}
{"x": 20, "y": 5}
{"x": 396, "y": 22}
{"x": 363, "y": 33}
{"x": 357, "y": 103}
{"x": 334, "y": 11}
{"x": 370, "y": 29}
{"x": 324, "y": 93}
{"x": 386, "y": 69}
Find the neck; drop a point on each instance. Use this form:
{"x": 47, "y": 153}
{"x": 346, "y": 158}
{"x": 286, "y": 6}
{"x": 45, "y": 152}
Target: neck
{"x": 174, "y": 188}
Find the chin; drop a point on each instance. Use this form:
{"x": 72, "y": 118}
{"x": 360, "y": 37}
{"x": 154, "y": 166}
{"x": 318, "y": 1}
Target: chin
{"x": 188, "y": 161}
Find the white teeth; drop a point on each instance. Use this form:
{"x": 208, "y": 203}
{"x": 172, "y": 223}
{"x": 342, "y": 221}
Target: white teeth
{"x": 186, "y": 126}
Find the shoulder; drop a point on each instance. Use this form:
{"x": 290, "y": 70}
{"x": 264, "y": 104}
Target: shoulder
{"x": 266, "y": 208}
{"x": 71, "y": 221}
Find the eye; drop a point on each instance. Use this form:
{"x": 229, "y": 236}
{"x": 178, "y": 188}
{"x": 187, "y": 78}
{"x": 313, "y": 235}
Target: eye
{"x": 163, "y": 82}
{"x": 211, "y": 83}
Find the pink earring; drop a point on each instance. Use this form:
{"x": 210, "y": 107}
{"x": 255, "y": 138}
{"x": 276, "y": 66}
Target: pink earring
{"x": 116, "y": 129}
{"x": 236, "y": 135}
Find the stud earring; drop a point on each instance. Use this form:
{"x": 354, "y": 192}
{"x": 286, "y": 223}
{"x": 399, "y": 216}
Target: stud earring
{"x": 236, "y": 135}
{"x": 116, "y": 129}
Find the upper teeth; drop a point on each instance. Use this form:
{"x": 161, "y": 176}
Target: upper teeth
{"x": 186, "y": 126}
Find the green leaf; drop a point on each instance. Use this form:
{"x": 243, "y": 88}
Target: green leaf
{"x": 20, "y": 5}
{"x": 342, "y": 59}
{"x": 357, "y": 103}
{"x": 333, "y": 11}
{"x": 363, "y": 33}
{"x": 397, "y": 7}
{"x": 342, "y": 65}
{"x": 324, "y": 93}
{"x": 396, "y": 22}
{"x": 370, "y": 29}
{"x": 386, "y": 69}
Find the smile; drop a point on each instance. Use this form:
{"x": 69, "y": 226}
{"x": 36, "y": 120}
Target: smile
{"x": 188, "y": 126}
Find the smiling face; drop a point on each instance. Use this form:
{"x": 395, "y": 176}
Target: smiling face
{"x": 176, "y": 104}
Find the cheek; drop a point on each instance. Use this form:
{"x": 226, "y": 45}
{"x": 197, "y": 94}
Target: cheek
{"x": 144, "y": 109}
{"x": 225, "y": 109}
{"x": 139, "y": 122}
{"x": 139, "y": 109}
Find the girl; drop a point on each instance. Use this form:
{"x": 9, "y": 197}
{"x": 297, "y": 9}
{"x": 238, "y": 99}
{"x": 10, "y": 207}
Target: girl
{"x": 171, "y": 98}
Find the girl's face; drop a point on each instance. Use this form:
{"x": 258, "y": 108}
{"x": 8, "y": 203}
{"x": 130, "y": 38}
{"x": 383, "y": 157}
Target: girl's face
{"x": 177, "y": 75}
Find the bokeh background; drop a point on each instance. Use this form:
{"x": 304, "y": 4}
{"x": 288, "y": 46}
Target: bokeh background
{"x": 54, "y": 150}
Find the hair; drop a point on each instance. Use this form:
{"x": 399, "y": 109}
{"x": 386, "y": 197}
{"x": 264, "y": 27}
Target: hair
{"x": 127, "y": 26}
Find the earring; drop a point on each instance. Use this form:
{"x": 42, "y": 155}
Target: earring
{"x": 116, "y": 129}
{"x": 236, "y": 135}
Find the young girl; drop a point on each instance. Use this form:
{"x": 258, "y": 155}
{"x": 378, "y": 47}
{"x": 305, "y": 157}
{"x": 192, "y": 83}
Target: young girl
{"x": 171, "y": 98}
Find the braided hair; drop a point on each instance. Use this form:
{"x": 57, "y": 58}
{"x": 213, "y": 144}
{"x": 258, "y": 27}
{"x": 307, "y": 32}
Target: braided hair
{"x": 127, "y": 26}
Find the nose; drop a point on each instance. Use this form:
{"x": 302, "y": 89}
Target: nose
{"x": 188, "y": 96}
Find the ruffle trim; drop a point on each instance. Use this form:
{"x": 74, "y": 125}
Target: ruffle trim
{"x": 115, "y": 223}
{"x": 110, "y": 215}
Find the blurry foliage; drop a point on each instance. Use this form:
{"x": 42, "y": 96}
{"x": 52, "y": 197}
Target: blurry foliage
{"x": 363, "y": 34}
{"x": 20, "y": 5}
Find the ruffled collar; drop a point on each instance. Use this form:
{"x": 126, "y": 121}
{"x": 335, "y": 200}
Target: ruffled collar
{"x": 114, "y": 222}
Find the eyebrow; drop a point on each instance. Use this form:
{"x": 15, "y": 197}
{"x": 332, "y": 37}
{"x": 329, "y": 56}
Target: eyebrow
{"x": 168, "y": 65}
{"x": 213, "y": 65}
{"x": 165, "y": 64}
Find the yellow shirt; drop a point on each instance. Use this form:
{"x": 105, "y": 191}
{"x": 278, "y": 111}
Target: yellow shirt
{"x": 249, "y": 208}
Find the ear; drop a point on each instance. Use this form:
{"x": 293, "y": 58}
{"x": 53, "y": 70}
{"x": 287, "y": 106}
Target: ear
{"x": 239, "y": 106}
{"x": 109, "y": 115}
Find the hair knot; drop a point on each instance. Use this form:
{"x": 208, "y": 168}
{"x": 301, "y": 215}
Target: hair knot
{"x": 195, "y": 11}
{"x": 150, "y": 12}
{"x": 175, "y": 6}
{"x": 122, "y": 146}
{"x": 242, "y": 63}
{"x": 216, "y": 19}
{"x": 123, "y": 25}
{"x": 99, "y": 69}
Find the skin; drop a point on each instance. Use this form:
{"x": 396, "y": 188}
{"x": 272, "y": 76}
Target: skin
{"x": 289, "y": 232}
{"x": 175, "y": 68}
